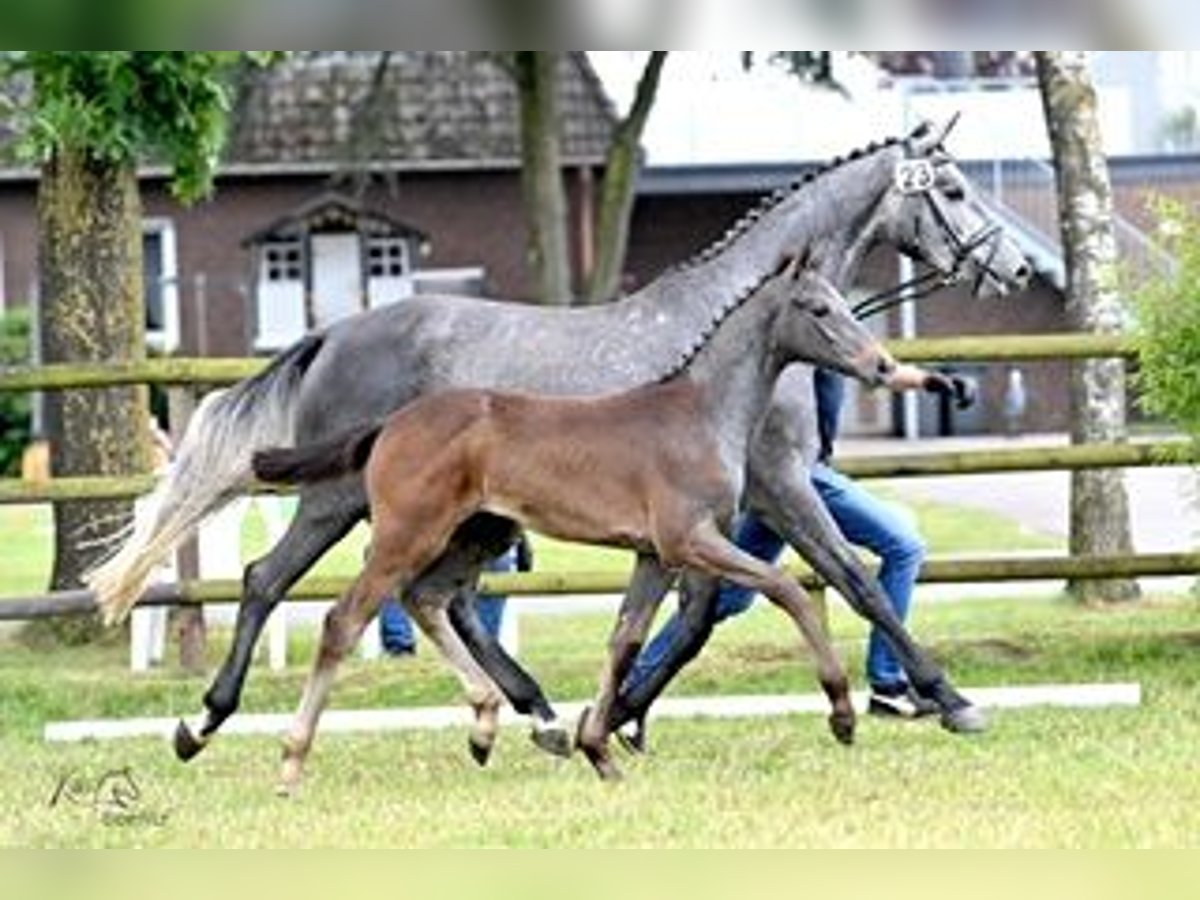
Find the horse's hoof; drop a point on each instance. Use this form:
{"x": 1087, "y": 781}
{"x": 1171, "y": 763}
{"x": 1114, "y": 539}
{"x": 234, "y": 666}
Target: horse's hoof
{"x": 481, "y": 753}
{"x": 842, "y": 726}
{"x": 634, "y": 742}
{"x": 553, "y": 739}
{"x": 608, "y": 771}
{"x": 187, "y": 745}
{"x": 965, "y": 720}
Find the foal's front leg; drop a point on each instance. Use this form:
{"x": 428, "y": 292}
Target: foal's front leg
{"x": 649, "y": 584}
{"x": 708, "y": 549}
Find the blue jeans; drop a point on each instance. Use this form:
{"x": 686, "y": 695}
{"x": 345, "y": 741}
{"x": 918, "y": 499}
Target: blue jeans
{"x": 396, "y": 628}
{"x": 865, "y": 521}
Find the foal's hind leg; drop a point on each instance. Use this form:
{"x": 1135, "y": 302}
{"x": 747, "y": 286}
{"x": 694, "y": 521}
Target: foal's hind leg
{"x": 343, "y": 626}
{"x": 708, "y": 549}
{"x": 326, "y": 512}
{"x": 397, "y": 551}
{"x": 480, "y": 538}
{"x": 429, "y": 612}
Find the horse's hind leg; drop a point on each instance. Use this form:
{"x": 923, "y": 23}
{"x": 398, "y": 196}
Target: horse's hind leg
{"x": 803, "y": 520}
{"x": 649, "y": 584}
{"x": 711, "y": 551}
{"x": 324, "y": 515}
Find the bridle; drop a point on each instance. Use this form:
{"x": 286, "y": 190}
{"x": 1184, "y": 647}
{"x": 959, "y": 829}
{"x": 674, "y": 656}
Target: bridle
{"x": 917, "y": 176}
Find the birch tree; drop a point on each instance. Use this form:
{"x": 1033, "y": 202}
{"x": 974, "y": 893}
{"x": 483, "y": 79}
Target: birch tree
{"x": 1099, "y": 518}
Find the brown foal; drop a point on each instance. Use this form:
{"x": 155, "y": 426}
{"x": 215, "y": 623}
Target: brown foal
{"x": 657, "y": 469}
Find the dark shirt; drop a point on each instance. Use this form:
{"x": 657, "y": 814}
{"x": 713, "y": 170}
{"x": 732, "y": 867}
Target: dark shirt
{"x": 830, "y": 388}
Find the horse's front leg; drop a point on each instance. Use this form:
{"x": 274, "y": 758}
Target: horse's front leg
{"x": 696, "y": 618}
{"x": 787, "y": 498}
{"x": 650, "y": 582}
{"x": 324, "y": 515}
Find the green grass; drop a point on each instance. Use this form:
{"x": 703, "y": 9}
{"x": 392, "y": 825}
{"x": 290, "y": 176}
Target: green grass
{"x": 1039, "y": 778}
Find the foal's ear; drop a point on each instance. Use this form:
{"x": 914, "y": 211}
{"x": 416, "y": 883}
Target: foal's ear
{"x": 792, "y": 266}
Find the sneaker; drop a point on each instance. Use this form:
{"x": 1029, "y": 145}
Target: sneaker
{"x": 899, "y": 702}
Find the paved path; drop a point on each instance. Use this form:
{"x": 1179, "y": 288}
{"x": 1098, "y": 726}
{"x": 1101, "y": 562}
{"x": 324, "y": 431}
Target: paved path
{"x": 1164, "y": 500}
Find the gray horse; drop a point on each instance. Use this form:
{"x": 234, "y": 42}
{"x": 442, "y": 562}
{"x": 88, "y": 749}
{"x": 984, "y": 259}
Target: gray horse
{"x": 904, "y": 192}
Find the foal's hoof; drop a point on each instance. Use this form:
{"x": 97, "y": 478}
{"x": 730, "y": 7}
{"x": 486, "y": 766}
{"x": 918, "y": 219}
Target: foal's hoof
{"x": 554, "y": 739}
{"x": 965, "y": 720}
{"x": 480, "y": 752}
{"x": 187, "y": 745}
{"x": 596, "y": 751}
{"x": 842, "y": 726}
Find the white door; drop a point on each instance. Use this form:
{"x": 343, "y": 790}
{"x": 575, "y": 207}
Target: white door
{"x": 336, "y": 277}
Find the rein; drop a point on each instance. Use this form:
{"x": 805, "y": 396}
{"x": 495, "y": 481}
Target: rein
{"x": 921, "y": 286}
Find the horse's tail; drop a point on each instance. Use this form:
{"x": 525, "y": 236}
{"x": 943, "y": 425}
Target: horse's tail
{"x": 211, "y": 467}
{"x": 317, "y": 462}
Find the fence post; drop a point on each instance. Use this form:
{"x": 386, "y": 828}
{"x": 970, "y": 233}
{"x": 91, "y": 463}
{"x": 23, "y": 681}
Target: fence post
{"x": 189, "y": 619}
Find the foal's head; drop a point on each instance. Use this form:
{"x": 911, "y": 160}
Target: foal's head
{"x": 816, "y": 326}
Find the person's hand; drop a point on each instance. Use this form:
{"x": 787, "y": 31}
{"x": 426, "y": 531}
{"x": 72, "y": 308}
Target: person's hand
{"x": 960, "y": 388}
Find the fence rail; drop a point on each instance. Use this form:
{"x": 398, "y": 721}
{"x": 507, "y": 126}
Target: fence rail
{"x": 181, "y": 371}
{"x": 1002, "y": 568}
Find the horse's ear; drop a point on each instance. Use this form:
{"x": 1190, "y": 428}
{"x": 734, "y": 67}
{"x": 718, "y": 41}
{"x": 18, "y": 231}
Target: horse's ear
{"x": 927, "y": 136}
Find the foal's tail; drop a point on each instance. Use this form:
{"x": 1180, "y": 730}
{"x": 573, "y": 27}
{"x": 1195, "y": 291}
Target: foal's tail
{"x": 317, "y": 462}
{"x": 211, "y": 467}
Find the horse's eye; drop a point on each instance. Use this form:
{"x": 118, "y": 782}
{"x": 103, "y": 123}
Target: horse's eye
{"x": 954, "y": 192}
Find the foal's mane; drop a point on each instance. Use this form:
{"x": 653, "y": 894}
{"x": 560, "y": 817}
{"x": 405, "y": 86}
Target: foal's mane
{"x": 685, "y": 360}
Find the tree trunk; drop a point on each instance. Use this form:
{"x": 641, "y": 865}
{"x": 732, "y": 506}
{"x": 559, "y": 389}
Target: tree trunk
{"x": 91, "y": 309}
{"x": 620, "y": 173}
{"x": 1099, "y": 504}
{"x": 536, "y": 73}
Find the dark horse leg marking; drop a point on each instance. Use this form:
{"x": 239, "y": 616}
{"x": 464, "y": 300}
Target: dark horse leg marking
{"x": 323, "y": 517}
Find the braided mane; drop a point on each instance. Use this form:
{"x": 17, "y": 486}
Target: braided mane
{"x": 773, "y": 199}
{"x": 739, "y": 228}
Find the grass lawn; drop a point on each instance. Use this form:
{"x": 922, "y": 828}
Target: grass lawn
{"x": 1039, "y": 778}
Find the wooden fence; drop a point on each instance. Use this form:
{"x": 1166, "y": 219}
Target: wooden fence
{"x": 1009, "y": 348}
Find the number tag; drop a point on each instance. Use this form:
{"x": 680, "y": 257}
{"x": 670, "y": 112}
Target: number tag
{"x": 914, "y": 176}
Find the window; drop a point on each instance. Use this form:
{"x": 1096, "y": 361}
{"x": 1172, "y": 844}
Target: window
{"x": 387, "y": 258}
{"x": 283, "y": 261}
{"x": 161, "y": 284}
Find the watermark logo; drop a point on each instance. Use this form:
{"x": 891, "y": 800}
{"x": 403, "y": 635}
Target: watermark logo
{"x": 115, "y": 797}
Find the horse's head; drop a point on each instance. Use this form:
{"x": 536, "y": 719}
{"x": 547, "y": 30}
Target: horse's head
{"x": 933, "y": 214}
{"x": 816, "y": 326}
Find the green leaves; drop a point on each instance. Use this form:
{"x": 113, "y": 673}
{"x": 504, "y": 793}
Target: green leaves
{"x": 1168, "y": 326}
{"x": 168, "y": 106}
